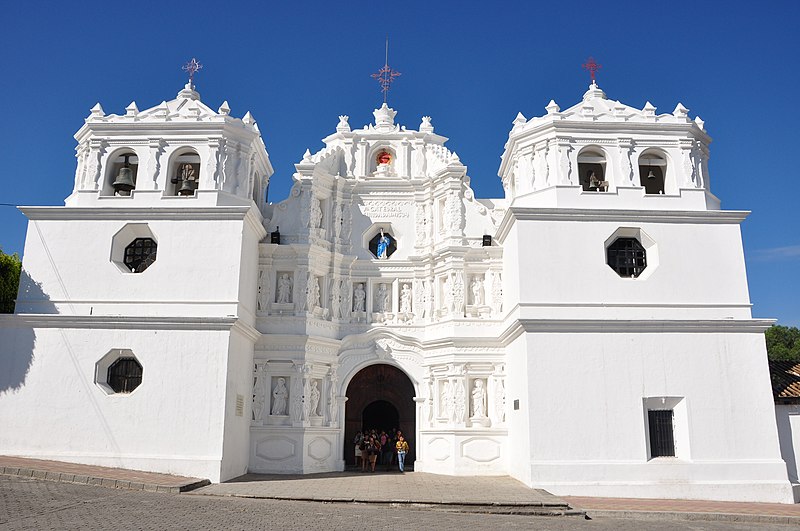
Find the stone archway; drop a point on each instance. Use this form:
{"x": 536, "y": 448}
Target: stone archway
{"x": 380, "y": 394}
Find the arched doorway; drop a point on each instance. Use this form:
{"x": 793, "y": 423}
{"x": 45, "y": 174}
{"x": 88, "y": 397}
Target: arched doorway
{"x": 381, "y": 397}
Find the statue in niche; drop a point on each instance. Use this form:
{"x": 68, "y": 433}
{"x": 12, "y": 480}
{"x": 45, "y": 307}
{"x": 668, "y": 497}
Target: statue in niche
{"x": 279, "y": 397}
{"x": 405, "y": 299}
{"x": 384, "y": 300}
{"x": 314, "y": 398}
{"x": 316, "y": 213}
{"x": 447, "y": 400}
{"x": 359, "y": 298}
{"x": 383, "y": 246}
{"x": 344, "y": 299}
{"x": 332, "y": 402}
{"x": 298, "y": 399}
{"x": 460, "y": 402}
{"x": 336, "y": 299}
{"x": 284, "y": 289}
{"x": 477, "y": 291}
{"x": 478, "y": 399}
{"x": 313, "y": 292}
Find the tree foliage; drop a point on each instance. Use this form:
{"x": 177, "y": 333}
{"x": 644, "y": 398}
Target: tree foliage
{"x": 10, "y": 267}
{"x": 783, "y": 343}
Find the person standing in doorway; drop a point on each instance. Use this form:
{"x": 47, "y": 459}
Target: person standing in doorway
{"x": 402, "y": 450}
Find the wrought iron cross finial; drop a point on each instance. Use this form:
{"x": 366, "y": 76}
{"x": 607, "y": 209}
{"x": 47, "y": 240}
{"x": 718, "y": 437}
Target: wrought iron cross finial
{"x": 592, "y": 67}
{"x": 192, "y": 67}
{"x": 385, "y": 75}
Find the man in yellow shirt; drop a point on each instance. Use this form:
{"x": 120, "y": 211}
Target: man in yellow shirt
{"x": 402, "y": 450}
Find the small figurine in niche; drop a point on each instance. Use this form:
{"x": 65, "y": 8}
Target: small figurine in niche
{"x": 385, "y": 157}
{"x": 383, "y": 246}
{"x": 478, "y": 399}
{"x": 284, "y": 289}
{"x": 359, "y": 297}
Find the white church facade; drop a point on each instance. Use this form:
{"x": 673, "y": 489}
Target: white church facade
{"x": 589, "y": 334}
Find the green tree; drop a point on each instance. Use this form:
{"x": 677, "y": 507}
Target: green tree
{"x": 10, "y": 267}
{"x": 783, "y": 343}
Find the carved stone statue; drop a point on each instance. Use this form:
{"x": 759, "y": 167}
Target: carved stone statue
{"x": 314, "y": 398}
{"x": 384, "y": 299}
{"x": 279, "y": 397}
{"x": 478, "y": 399}
{"x": 336, "y": 299}
{"x": 284, "y": 289}
{"x": 477, "y": 291}
{"x": 383, "y": 246}
{"x": 359, "y": 297}
{"x": 405, "y": 299}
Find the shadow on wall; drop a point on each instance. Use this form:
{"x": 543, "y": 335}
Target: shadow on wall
{"x": 17, "y": 338}
{"x": 32, "y": 298}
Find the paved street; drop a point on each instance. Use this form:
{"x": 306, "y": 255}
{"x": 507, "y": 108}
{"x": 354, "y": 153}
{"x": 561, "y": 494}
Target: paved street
{"x": 43, "y": 505}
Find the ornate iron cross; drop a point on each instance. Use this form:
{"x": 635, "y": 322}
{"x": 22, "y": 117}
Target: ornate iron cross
{"x": 192, "y": 67}
{"x": 386, "y": 75}
{"x": 592, "y": 67}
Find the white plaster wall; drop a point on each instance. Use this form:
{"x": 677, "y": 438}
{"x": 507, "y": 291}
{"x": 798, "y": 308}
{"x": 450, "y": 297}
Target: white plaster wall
{"x": 172, "y": 423}
{"x": 788, "y": 419}
{"x": 238, "y": 383}
{"x": 518, "y": 387}
{"x": 698, "y": 271}
{"x": 196, "y": 271}
{"x": 587, "y": 419}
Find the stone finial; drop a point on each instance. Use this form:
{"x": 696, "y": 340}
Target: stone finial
{"x": 680, "y": 111}
{"x": 224, "y": 109}
{"x": 131, "y": 110}
{"x": 594, "y": 92}
{"x": 307, "y": 156}
{"x": 384, "y": 118}
{"x": 188, "y": 92}
{"x": 700, "y": 123}
{"x": 248, "y": 119}
{"x": 519, "y": 121}
{"x": 425, "y": 126}
{"x": 552, "y": 107}
{"x": 343, "y": 126}
{"x": 454, "y": 158}
{"x": 649, "y": 109}
{"x": 97, "y": 111}
{"x": 162, "y": 111}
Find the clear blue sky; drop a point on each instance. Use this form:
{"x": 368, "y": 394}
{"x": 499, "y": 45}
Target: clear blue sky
{"x": 470, "y": 65}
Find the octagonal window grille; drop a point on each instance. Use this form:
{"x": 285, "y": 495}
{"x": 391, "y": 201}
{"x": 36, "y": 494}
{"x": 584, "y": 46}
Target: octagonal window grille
{"x": 124, "y": 375}
{"x": 140, "y": 254}
{"x": 627, "y": 257}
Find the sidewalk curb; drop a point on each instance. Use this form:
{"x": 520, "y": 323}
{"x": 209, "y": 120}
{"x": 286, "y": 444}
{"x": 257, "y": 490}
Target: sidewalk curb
{"x": 64, "y": 477}
{"x": 693, "y": 516}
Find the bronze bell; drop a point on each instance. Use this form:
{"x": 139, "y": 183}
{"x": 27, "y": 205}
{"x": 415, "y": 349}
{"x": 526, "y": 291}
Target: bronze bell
{"x": 186, "y": 178}
{"x": 651, "y": 175}
{"x": 124, "y": 181}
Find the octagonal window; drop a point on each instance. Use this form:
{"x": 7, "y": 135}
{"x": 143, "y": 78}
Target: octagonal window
{"x": 118, "y": 372}
{"x": 140, "y": 254}
{"x": 124, "y": 375}
{"x": 627, "y": 257}
{"x": 382, "y": 245}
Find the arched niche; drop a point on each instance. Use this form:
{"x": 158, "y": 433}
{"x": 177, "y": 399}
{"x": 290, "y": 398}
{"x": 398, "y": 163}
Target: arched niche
{"x": 592, "y": 169}
{"x": 652, "y": 171}
{"x": 121, "y": 158}
{"x": 381, "y": 160}
{"x": 183, "y": 176}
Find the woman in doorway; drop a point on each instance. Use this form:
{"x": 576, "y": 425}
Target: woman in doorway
{"x": 358, "y": 441}
{"x": 374, "y": 450}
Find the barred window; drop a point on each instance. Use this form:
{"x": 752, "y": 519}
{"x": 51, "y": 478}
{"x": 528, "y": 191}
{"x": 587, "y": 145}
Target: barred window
{"x": 627, "y": 257}
{"x": 140, "y": 254}
{"x": 124, "y": 375}
{"x": 662, "y": 440}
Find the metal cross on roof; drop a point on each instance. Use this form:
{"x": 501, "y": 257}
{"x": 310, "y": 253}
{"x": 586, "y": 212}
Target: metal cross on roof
{"x": 192, "y": 67}
{"x": 592, "y": 67}
{"x": 386, "y": 75}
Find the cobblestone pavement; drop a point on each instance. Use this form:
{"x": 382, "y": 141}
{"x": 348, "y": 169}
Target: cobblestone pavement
{"x": 44, "y": 505}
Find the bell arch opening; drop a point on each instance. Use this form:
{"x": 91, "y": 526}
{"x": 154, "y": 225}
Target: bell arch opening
{"x": 379, "y": 397}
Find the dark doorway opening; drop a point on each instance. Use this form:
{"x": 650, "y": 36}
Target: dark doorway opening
{"x": 379, "y": 397}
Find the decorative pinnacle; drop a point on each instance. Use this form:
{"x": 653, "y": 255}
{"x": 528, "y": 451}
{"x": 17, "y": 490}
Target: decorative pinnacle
{"x": 592, "y": 67}
{"x": 192, "y": 67}
{"x": 386, "y": 75}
